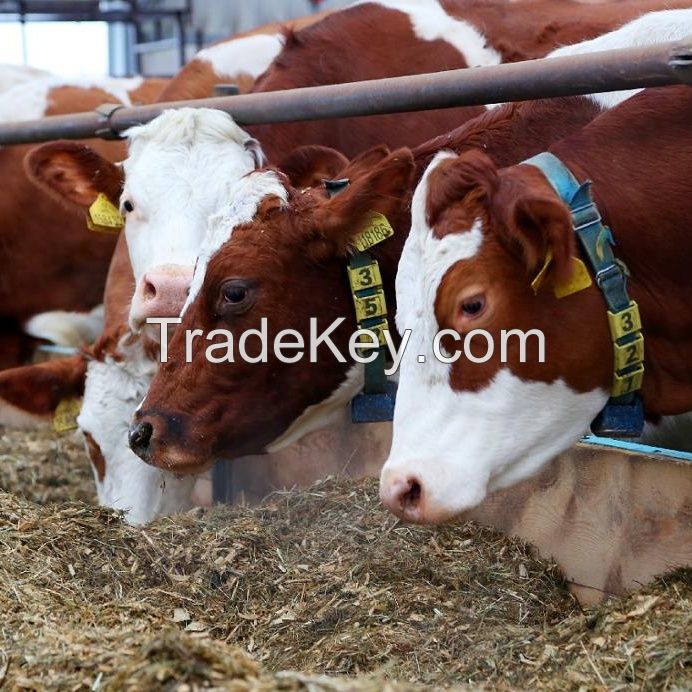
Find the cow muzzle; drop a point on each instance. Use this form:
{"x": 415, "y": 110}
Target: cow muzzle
{"x": 402, "y": 495}
{"x": 411, "y": 498}
{"x": 161, "y": 292}
{"x": 156, "y": 439}
{"x": 140, "y": 439}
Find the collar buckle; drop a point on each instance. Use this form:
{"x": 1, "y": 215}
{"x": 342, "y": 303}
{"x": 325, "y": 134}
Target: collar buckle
{"x": 623, "y": 414}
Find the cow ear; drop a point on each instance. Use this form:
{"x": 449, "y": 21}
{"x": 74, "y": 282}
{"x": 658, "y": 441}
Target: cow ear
{"x": 383, "y": 188}
{"x": 30, "y": 394}
{"x": 538, "y": 226}
{"x": 454, "y": 178}
{"x": 366, "y": 160}
{"x": 308, "y": 166}
{"x": 73, "y": 173}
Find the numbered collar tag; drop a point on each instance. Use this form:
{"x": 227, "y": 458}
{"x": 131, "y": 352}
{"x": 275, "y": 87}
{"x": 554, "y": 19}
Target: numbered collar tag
{"x": 370, "y": 306}
{"x": 623, "y": 414}
{"x": 103, "y": 216}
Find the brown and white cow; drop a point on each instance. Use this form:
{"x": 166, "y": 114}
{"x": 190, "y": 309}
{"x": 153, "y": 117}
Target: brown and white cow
{"x": 479, "y": 235}
{"x": 420, "y": 36}
{"x": 280, "y": 252}
{"x": 178, "y": 171}
{"x": 63, "y": 268}
{"x": 238, "y": 60}
{"x": 165, "y": 155}
{"x": 135, "y": 205}
{"x": 387, "y": 38}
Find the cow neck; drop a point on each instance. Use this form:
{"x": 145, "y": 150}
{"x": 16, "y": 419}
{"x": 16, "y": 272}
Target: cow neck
{"x": 623, "y": 414}
{"x": 376, "y": 402}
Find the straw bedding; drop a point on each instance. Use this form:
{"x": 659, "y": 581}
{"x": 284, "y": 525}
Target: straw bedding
{"x": 320, "y": 581}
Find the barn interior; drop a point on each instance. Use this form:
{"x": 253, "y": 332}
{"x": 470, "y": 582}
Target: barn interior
{"x": 285, "y": 568}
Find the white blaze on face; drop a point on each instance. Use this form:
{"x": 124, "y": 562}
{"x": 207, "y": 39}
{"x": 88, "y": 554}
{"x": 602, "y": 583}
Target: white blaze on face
{"x": 111, "y": 394}
{"x": 242, "y": 201}
{"x": 459, "y": 445}
{"x": 180, "y": 170}
{"x": 248, "y": 55}
{"x": 430, "y": 22}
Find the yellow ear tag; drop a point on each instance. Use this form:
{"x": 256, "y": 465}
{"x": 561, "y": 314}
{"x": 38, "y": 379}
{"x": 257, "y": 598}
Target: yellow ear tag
{"x": 580, "y": 279}
{"x": 65, "y": 415}
{"x": 376, "y": 230}
{"x": 103, "y": 216}
{"x": 540, "y": 277}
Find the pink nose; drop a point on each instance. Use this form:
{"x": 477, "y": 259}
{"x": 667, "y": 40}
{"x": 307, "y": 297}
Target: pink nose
{"x": 403, "y": 496}
{"x": 162, "y": 291}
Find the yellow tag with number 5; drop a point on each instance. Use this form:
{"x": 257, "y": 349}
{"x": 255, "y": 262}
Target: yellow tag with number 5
{"x": 370, "y": 306}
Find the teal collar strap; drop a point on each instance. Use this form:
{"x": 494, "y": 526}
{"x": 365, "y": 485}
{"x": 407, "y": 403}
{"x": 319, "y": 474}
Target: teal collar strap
{"x": 376, "y": 402}
{"x": 623, "y": 414}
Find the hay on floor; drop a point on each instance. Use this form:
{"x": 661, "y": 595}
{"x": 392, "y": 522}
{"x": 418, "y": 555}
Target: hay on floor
{"x": 322, "y": 581}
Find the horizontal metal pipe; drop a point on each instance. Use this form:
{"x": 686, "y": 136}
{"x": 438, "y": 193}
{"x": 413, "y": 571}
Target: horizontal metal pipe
{"x": 657, "y": 65}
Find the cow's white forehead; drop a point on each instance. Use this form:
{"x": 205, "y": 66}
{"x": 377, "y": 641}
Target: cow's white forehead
{"x": 424, "y": 262}
{"x": 185, "y": 127}
{"x": 179, "y": 171}
{"x": 244, "y": 198}
{"x": 180, "y": 145}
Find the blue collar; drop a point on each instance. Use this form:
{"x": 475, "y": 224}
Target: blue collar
{"x": 623, "y": 415}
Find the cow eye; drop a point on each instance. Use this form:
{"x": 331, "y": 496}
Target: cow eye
{"x": 128, "y": 206}
{"x": 235, "y": 293}
{"x": 473, "y": 307}
{"x": 235, "y": 297}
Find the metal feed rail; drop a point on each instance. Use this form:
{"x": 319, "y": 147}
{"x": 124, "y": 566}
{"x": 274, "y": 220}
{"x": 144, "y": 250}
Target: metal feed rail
{"x": 658, "y": 65}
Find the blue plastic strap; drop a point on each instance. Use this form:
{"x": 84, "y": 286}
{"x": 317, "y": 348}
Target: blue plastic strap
{"x": 623, "y": 415}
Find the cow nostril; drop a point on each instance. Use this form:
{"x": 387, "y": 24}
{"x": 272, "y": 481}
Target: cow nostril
{"x": 410, "y": 498}
{"x": 149, "y": 291}
{"x": 140, "y": 437}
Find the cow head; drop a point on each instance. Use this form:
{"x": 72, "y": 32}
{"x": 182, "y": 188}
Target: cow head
{"x": 178, "y": 172}
{"x": 122, "y": 481}
{"x": 274, "y": 259}
{"x": 479, "y": 237}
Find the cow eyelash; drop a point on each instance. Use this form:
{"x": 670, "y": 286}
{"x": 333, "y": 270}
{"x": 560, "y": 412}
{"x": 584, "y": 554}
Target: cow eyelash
{"x": 473, "y": 307}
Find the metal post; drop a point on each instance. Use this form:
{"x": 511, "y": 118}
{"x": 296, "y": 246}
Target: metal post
{"x": 652, "y": 66}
